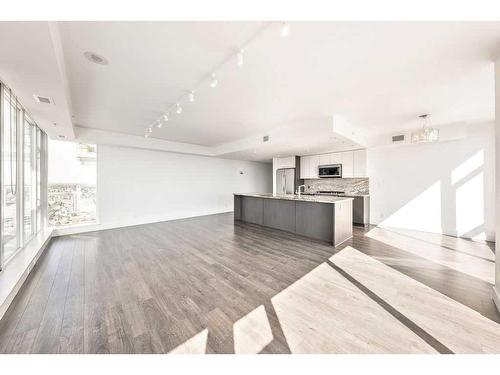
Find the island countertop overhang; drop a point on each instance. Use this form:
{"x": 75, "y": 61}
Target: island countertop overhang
{"x": 302, "y": 198}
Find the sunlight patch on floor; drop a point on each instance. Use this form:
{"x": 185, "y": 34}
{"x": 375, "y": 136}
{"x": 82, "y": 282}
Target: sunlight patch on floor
{"x": 465, "y": 263}
{"x": 323, "y": 312}
{"x": 195, "y": 345}
{"x": 252, "y": 333}
{"x": 475, "y": 248}
{"x": 457, "y": 326}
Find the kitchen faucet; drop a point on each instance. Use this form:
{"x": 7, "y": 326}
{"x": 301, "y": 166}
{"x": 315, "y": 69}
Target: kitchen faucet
{"x": 298, "y": 189}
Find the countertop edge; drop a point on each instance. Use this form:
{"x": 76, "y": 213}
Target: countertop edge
{"x": 295, "y": 199}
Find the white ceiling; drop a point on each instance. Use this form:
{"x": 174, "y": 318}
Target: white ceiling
{"x": 31, "y": 63}
{"x": 378, "y": 76}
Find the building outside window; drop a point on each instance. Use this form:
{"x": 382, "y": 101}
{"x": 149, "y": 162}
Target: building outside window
{"x": 72, "y": 186}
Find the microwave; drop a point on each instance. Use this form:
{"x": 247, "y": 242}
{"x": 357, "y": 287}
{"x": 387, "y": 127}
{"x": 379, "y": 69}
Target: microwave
{"x": 328, "y": 171}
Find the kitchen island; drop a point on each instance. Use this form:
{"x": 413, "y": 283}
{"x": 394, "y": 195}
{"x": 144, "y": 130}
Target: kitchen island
{"x": 318, "y": 217}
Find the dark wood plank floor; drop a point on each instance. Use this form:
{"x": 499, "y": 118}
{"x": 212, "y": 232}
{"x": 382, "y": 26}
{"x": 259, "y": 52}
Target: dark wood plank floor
{"x": 151, "y": 288}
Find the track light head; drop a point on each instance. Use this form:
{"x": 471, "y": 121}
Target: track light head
{"x": 214, "y": 82}
{"x": 165, "y": 117}
{"x": 240, "y": 57}
{"x": 191, "y": 96}
{"x": 179, "y": 109}
{"x": 285, "y": 29}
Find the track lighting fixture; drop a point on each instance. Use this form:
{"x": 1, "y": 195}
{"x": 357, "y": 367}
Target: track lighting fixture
{"x": 214, "y": 82}
{"x": 240, "y": 57}
{"x": 285, "y": 29}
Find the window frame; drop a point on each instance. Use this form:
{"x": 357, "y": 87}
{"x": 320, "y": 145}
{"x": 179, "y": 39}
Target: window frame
{"x": 39, "y": 140}
{"x": 96, "y": 221}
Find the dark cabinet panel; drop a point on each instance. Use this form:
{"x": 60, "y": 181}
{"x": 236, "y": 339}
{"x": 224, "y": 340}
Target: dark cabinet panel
{"x": 279, "y": 214}
{"x": 314, "y": 220}
{"x": 237, "y": 207}
{"x": 252, "y": 210}
{"x": 361, "y": 210}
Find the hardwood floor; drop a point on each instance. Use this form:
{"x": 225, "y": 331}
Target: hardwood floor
{"x": 209, "y": 285}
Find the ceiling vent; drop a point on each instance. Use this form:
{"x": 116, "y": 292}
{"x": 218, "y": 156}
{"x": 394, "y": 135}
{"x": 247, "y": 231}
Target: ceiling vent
{"x": 398, "y": 138}
{"x": 95, "y": 58}
{"x": 265, "y": 138}
{"x": 43, "y": 99}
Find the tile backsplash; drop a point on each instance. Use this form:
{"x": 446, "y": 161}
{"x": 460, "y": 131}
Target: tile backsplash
{"x": 347, "y": 185}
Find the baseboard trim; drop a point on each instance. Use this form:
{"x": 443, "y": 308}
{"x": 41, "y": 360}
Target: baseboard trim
{"x": 98, "y": 227}
{"x": 496, "y": 298}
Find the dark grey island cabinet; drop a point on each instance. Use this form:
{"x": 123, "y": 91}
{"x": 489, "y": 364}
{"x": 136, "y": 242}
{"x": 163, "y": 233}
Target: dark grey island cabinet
{"x": 322, "y": 218}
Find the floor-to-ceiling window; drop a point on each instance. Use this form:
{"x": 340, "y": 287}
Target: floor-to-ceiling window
{"x": 29, "y": 180}
{"x": 22, "y": 149}
{"x": 10, "y": 237}
{"x": 72, "y": 183}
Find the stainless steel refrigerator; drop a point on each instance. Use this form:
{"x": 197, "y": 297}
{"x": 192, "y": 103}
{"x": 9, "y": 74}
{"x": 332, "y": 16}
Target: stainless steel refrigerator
{"x": 285, "y": 179}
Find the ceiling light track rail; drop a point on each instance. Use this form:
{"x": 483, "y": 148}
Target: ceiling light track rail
{"x": 212, "y": 80}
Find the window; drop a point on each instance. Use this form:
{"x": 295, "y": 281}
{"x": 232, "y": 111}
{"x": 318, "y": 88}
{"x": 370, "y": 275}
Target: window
{"x": 29, "y": 180}
{"x": 38, "y": 147}
{"x": 72, "y": 183}
{"x": 22, "y": 159}
{"x": 10, "y": 238}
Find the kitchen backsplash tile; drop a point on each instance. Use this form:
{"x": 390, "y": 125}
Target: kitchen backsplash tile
{"x": 347, "y": 185}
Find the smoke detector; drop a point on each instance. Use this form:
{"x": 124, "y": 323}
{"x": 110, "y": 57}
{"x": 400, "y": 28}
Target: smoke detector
{"x": 43, "y": 99}
{"x": 95, "y": 58}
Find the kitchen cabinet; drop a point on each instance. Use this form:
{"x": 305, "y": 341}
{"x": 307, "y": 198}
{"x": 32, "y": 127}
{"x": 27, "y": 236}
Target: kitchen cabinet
{"x": 353, "y": 163}
{"x": 359, "y": 157}
{"x": 309, "y": 166}
{"x": 325, "y": 159}
{"x": 335, "y": 158}
{"x": 288, "y": 162}
{"x": 347, "y": 162}
{"x": 304, "y": 167}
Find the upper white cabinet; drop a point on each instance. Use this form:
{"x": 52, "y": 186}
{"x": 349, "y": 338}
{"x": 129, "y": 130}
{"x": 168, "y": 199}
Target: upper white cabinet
{"x": 335, "y": 158}
{"x": 309, "y": 166}
{"x": 347, "y": 161}
{"x": 325, "y": 159}
{"x": 353, "y": 163}
{"x": 360, "y": 163}
{"x": 288, "y": 162}
{"x": 304, "y": 167}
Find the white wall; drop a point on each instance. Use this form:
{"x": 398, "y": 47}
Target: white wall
{"x": 137, "y": 186}
{"x": 496, "y": 290}
{"x": 444, "y": 187}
